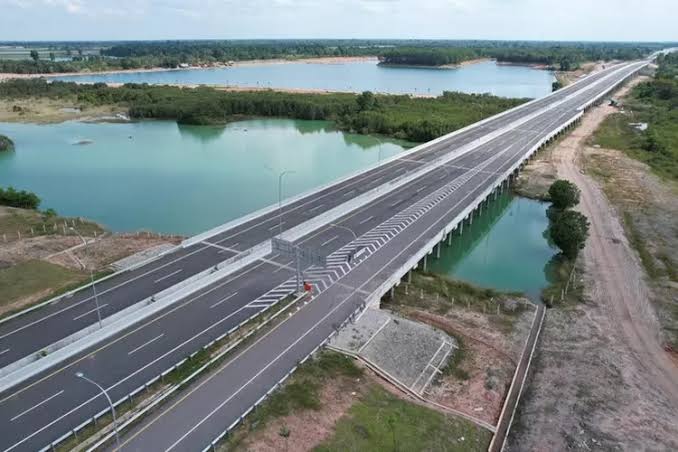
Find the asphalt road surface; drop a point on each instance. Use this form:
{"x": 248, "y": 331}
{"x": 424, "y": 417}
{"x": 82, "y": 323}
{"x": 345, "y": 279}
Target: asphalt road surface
{"x": 393, "y": 228}
{"x": 30, "y": 333}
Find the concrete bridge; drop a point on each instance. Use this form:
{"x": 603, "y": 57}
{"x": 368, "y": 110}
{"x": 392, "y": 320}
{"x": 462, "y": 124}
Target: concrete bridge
{"x": 396, "y": 214}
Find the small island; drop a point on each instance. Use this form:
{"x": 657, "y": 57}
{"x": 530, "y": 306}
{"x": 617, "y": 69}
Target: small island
{"x": 6, "y": 144}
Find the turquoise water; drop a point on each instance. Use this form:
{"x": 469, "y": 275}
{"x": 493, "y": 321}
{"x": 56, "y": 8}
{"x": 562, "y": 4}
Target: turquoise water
{"x": 504, "y": 248}
{"x": 169, "y": 178}
{"x": 484, "y": 77}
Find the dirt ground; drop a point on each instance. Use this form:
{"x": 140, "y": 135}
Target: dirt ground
{"x": 601, "y": 379}
{"x": 308, "y": 428}
{"x": 489, "y": 360}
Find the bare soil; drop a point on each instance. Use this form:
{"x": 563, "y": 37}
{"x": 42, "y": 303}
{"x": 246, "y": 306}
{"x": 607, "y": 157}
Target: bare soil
{"x": 602, "y": 379}
{"x": 308, "y": 428}
{"x": 489, "y": 356}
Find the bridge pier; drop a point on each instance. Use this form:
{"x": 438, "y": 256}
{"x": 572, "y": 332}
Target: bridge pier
{"x": 438, "y": 250}
{"x": 425, "y": 265}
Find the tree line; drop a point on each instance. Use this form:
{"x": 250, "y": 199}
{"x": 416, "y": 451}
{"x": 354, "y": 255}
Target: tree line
{"x": 401, "y": 116}
{"x": 18, "y": 198}
{"x": 170, "y": 54}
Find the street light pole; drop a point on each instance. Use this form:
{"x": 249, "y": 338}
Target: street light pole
{"x": 91, "y": 278}
{"x": 280, "y": 179}
{"x": 110, "y": 403}
{"x": 345, "y": 228}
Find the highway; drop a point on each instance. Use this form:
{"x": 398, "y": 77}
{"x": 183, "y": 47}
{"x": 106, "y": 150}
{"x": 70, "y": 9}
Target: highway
{"x": 394, "y": 227}
{"x": 30, "y": 333}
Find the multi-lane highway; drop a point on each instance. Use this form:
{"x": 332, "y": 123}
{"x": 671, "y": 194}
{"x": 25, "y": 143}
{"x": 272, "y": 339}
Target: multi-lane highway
{"x": 30, "y": 333}
{"x": 393, "y": 227}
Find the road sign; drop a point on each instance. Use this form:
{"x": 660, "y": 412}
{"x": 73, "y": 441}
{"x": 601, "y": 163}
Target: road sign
{"x": 303, "y": 257}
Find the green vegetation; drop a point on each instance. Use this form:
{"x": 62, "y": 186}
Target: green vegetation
{"x": 564, "y": 56}
{"x": 381, "y": 421}
{"x": 6, "y": 144}
{"x": 567, "y": 228}
{"x": 403, "y": 117}
{"x": 569, "y": 231}
{"x": 18, "y": 198}
{"x": 655, "y": 103}
{"x": 99, "y": 56}
{"x": 563, "y": 194}
{"x": 32, "y": 277}
{"x": 41, "y": 223}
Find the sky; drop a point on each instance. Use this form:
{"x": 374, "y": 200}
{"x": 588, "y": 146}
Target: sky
{"x": 572, "y": 20}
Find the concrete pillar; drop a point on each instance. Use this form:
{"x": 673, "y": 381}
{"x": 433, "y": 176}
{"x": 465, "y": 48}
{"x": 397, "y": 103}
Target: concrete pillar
{"x": 461, "y": 227}
{"x": 392, "y": 292}
{"x": 409, "y": 277}
{"x": 425, "y": 262}
{"x": 438, "y": 250}
{"x": 449, "y": 239}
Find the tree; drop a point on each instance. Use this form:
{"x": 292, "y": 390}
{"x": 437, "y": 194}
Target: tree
{"x": 35, "y": 55}
{"x": 6, "y": 144}
{"x": 365, "y": 101}
{"x": 52, "y": 57}
{"x": 569, "y": 232}
{"x": 564, "y": 194}
{"x": 555, "y": 86}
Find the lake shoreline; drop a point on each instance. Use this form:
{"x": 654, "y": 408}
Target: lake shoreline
{"x": 259, "y": 62}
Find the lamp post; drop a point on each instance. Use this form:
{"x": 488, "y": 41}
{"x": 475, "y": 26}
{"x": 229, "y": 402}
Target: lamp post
{"x": 345, "y": 228}
{"x": 280, "y": 179}
{"x": 110, "y": 403}
{"x": 91, "y": 278}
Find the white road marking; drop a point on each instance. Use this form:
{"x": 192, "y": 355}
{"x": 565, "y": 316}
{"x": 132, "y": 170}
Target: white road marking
{"x": 222, "y": 248}
{"x": 277, "y": 225}
{"x": 145, "y": 344}
{"x": 316, "y": 208}
{"x": 349, "y": 193}
{"x": 86, "y": 313}
{"x": 388, "y": 320}
{"x": 168, "y": 276}
{"x": 329, "y": 241}
{"x": 224, "y": 299}
{"x": 36, "y": 405}
{"x": 366, "y": 219}
{"x": 4, "y": 351}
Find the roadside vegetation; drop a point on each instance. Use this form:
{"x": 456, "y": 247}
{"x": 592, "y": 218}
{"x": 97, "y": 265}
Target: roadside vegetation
{"x": 6, "y": 144}
{"x": 654, "y": 103}
{"x": 404, "y": 117}
{"x": 331, "y": 404}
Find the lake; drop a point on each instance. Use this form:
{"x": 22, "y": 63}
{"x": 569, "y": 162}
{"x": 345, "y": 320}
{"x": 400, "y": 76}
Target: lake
{"x": 171, "y": 178}
{"x": 504, "y": 248}
{"x": 483, "y": 77}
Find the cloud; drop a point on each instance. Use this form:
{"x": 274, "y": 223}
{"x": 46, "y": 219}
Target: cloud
{"x": 447, "y": 19}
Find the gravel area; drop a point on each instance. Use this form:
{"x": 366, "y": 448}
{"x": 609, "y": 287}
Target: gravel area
{"x": 408, "y": 351}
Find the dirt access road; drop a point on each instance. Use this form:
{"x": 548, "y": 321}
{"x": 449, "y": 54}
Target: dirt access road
{"x": 602, "y": 379}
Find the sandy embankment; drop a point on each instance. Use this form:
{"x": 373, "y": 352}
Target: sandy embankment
{"x": 322, "y": 60}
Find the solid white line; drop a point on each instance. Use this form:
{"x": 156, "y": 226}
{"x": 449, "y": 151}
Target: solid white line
{"x": 366, "y": 219}
{"x": 277, "y": 225}
{"x": 429, "y": 364}
{"x": 145, "y": 344}
{"x": 4, "y": 351}
{"x": 316, "y": 208}
{"x": 224, "y": 299}
{"x": 222, "y": 248}
{"x": 329, "y": 241}
{"x": 36, "y": 405}
{"x": 349, "y": 193}
{"x": 168, "y": 276}
{"x": 86, "y": 313}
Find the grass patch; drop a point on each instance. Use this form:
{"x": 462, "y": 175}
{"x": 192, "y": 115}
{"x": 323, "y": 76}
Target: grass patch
{"x": 30, "y": 277}
{"x": 380, "y": 421}
{"x": 301, "y": 392}
{"x": 637, "y": 241}
{"x": 559, "y": 271}
{"x": 615, "y": 133}
{"x": 453, "y": 366}
{"x": 438, "y": 294}
{"x": 23, "y": 220}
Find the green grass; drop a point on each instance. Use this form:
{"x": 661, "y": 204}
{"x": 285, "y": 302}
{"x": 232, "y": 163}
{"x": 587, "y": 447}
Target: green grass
{"x": 558, "y": 272}
{"x": 638, "y": 243}
{"x": 382, "y": 422}
{"x": 27, "y": 278}
{"x": 22, "y": 220}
